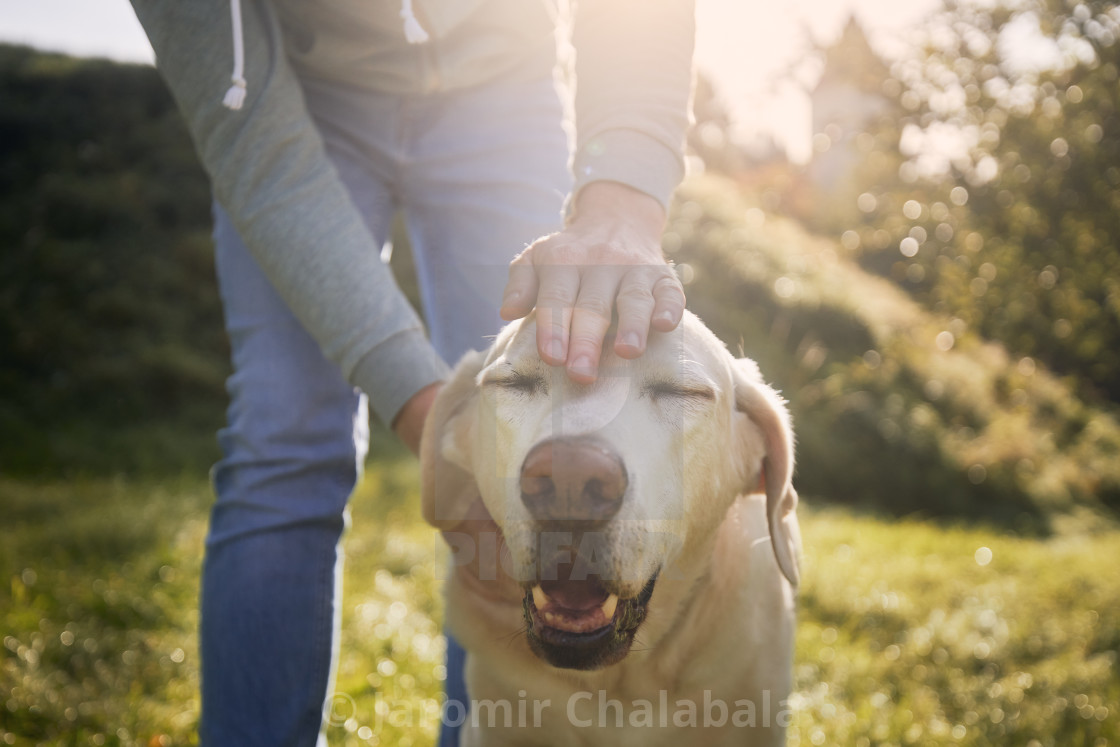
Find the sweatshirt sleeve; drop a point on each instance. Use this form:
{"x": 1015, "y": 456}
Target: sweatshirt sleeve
{"x": 633, "y": 85}
{"x": 269, "y": 170}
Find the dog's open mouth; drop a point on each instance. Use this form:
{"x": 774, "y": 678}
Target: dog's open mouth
{"x": 580, "y": 624}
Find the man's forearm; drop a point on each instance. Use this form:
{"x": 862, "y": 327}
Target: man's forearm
{"x": 269, "y": 169}
{"x": 633, "y": 86}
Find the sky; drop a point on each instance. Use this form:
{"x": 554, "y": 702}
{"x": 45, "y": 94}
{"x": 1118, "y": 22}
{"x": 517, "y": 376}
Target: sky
{"x": 747, "y": 47}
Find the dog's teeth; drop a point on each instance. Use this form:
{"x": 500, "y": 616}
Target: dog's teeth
{"x": 609, "y": 606}
{"x": 540, "y": 599}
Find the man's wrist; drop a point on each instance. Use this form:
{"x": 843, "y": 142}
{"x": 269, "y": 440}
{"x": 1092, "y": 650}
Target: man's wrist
{"x": 409, "y": 422}
{"x": 614, "y": 201}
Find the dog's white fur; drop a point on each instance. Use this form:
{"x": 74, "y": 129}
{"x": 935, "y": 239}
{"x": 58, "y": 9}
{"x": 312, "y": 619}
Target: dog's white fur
{"x": 700, "y": 436}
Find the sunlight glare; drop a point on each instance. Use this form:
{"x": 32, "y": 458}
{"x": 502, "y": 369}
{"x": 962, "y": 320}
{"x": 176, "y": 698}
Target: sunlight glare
{"x": 758, "y": 57}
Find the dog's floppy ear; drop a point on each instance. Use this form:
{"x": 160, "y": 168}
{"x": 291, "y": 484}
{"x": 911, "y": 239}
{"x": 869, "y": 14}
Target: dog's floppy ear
{"x": 447, "y": 485}
{"x": 767, "y": 411}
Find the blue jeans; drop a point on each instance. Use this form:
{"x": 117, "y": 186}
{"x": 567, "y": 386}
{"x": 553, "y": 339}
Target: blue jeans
{"x": 478, "y": 174}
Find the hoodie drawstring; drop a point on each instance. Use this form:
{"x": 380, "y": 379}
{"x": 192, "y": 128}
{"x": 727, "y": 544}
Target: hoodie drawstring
{"x": 235, "y": 96}
{"x": 414, "y": 33}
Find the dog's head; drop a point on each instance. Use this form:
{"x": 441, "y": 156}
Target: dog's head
{"x": 597, "y": 489}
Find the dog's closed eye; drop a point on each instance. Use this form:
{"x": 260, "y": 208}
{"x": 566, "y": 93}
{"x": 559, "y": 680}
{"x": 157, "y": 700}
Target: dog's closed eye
{"x": 666, "y": 389}
{"x": 518, "y": 381}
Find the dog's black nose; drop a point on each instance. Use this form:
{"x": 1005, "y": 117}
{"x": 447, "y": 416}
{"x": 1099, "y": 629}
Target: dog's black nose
{"x": 572, "y": 480}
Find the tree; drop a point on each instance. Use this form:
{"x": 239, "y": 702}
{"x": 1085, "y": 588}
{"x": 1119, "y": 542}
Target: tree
{"x": 1011, "y": 225}
{"x": 710, "y": 137}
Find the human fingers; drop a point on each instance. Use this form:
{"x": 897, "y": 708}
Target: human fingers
{"x": 520, "y": 293}
{"x": 556, "y": 299}
{"x": 591, "y": 318}
{"x": 668, "y": 294}
{"x": 635, "y": 304}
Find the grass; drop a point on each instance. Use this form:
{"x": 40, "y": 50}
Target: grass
{"x": 913, "y": 633}
{"x": 904, "y": 638}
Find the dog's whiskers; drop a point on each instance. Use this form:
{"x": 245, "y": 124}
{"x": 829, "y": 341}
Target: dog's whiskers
{"x": 509, "y": 638}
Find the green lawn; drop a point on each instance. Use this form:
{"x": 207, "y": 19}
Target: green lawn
{"x": 905, "y": 636}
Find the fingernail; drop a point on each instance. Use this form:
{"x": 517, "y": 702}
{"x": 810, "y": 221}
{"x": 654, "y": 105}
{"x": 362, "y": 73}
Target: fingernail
{"x": 555, "y": 351}
{"x": 629, "y": 340}
{"x": 583, "y": 365}
{"x": 667, "y": 316}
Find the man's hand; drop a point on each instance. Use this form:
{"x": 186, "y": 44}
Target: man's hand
{"x": 409, "y": 422}
{"x": 608, "y": 257}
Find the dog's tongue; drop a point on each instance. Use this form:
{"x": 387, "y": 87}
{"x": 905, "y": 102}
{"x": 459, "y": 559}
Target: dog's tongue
{"x": 578, "y": 596}
{"x": 573, "y": 606}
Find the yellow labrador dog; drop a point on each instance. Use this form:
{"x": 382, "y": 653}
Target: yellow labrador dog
{"x": 624, "y": 553}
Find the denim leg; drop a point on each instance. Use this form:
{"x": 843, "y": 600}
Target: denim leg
{"x": 487, "y": 175}
{"x": 483, "y": 173}
{"x": 296, "y": 438}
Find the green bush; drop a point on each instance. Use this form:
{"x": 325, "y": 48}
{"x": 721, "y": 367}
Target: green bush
{"x": 1017, "y": 236}
{"x": 895, "y": 407}
{"x": 109, "y": 314}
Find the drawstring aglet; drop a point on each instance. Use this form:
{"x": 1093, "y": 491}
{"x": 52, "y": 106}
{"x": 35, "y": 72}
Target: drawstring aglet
{"x": 414, "y": 33}
{"x": 235, "y": 96}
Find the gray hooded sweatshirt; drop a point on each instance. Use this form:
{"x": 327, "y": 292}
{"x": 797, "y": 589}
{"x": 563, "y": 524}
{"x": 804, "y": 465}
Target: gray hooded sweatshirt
{"x": 268, "y": 167}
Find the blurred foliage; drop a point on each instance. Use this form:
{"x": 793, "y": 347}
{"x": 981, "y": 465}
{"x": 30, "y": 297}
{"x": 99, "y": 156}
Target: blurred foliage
{"x": 894, "y": 407}
{"x": 991, "y": 190}
{"x": 112, "y": 355}
{"x": 109, "y": 315}
{"x": 710, "y": 137}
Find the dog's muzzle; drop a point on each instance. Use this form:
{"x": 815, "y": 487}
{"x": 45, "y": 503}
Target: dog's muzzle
{"x": 572, "y": 489}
